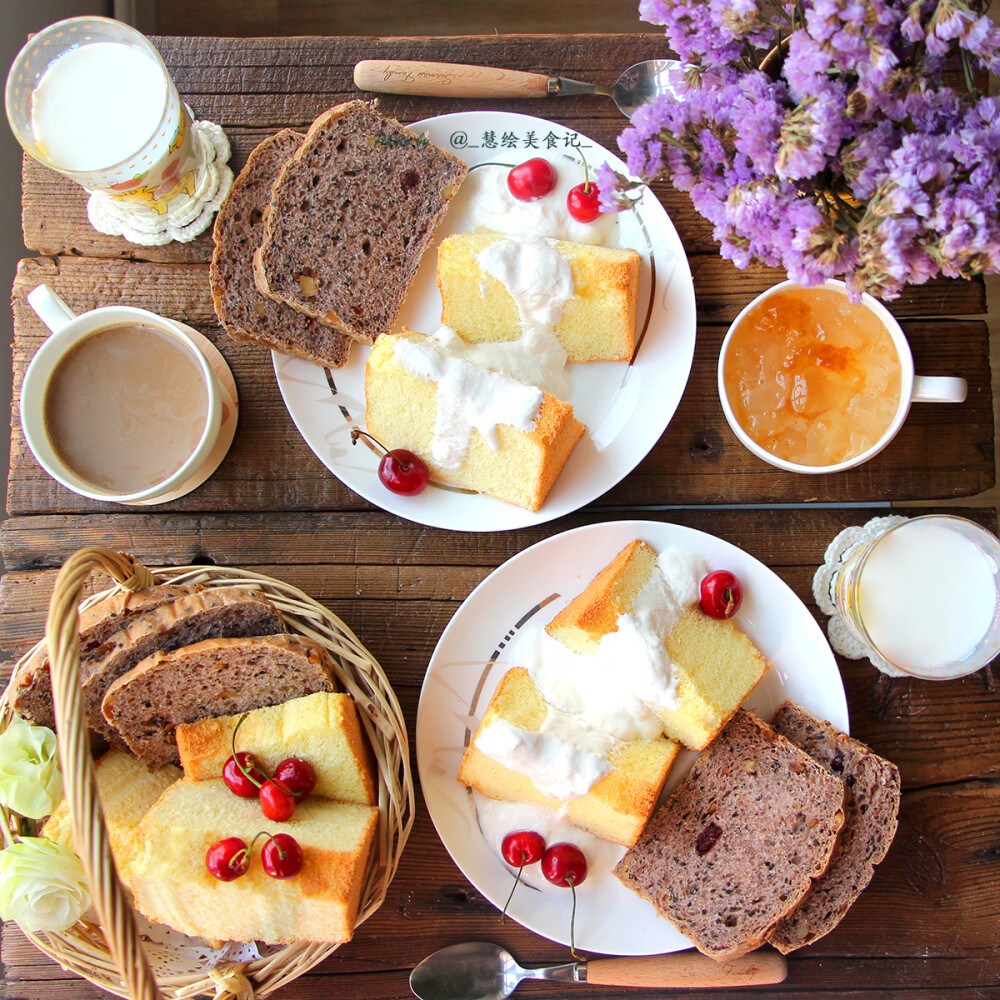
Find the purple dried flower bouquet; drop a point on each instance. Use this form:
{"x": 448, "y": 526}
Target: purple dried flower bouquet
{"x": 847, "y": 154}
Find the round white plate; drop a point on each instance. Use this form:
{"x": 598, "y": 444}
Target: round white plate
{"x": 473, "y": 654}
{"x": 625, "y": 407}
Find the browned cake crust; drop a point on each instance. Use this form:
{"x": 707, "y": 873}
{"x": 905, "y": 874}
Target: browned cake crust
{"x": 350, "y": 216}
{"x": 244, "y": 312}
{"x": 737, "y": 845}
{"x": 873, "y": 794}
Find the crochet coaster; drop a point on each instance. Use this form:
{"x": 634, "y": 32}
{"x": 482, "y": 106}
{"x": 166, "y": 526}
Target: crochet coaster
{"x": 188, "y": 216}
{"x": 838, "y": 552}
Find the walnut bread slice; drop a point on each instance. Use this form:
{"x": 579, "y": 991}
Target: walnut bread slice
{"x": 350, "y": 217}
{"x": 146, "y": 704}
{"x": 244, "y": 312}
{"x": 873, "y": 793}
{"x": 737, "y": 845}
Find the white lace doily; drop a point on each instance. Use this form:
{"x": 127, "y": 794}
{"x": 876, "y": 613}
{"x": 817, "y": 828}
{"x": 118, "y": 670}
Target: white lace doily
{"x": 187, "y": 217}
{"x": 843, "y": 640}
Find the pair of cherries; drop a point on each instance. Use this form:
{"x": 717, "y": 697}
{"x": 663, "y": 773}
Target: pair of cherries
{"x": 228, "y": 859}
{"x": 562, "y": 864}
{"x": 536, "y": 178}
{"x": 293, "y": 779}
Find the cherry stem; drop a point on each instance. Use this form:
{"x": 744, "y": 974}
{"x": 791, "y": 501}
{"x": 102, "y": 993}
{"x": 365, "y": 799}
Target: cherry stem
{"x": 517, "y": 878}
{"x": 270, "y": 836}
{"x": 572, "y": 922}
{"x": 356, "y": 433}
{"x": 586, "y": 174}
{"x": 239, "y": 763}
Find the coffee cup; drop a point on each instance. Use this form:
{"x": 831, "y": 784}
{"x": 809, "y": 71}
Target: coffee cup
{"x": 120, "y": 404}
{"x": 913, "y": 388}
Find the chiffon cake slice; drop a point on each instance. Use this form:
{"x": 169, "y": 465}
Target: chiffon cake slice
{"x": 717, "y": 666}
{"x": 322, "y": 728}
{"x": 172, "y": 885}
{"x": 738, "y": 844}
{"x": 597, "y": 324}
{"x": 616, "y": 808}
{"x": 402, "y": 412}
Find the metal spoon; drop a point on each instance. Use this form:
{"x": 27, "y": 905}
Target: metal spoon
{"x": 637, "y": 85}
{"x": 478, "y": 970}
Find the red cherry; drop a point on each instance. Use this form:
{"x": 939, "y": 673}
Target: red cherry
{"x": 520, "y": 848}
{"x": 532, "y": 179}
{"x": 296, "y": 776}
{"x": 237, "y": 781}
{"x": 721, "y": 594}
{"x": 281, "y": 856}
{"x": 564, "y": 864}
{"x": 399, "y": 470}
{"x": 403, "y": 472}
{"x": 276, "y": 803}
{"x": 582, "y": 202}
{"x": 227, "y": 859}
{"x": 523, "y": 847}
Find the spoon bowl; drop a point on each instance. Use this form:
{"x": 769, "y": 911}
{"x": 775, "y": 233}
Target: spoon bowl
{"x": 644, "y": 81}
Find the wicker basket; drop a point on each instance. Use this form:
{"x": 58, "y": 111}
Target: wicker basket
{"x": 111, "y": 954}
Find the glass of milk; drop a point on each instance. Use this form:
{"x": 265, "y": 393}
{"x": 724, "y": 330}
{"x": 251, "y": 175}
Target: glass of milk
{"x": 924, "y": 596}
{"x": 91, "y": 98}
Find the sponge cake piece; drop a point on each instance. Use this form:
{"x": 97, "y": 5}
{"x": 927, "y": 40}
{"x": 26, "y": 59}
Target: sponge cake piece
{"x": 402, "y": 410}
{"x": 597, "y": 324}
{"x": 717, "y": 666}
{"x": 321, "y": 728}
{"x": 616, "y": 808}
{"x": 127, "y": 788}
{"x": 171, "y": 884}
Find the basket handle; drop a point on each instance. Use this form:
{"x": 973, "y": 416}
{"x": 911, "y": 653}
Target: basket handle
{"x": 89, "y": 835}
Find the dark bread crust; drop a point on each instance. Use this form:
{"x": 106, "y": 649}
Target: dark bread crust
{"x": 350, "y": 218}
{"x": 244, "y": 312}
{"x": 873, "y": 795}
{"x": 31, "y": 688}
{"x": 737, "y": 845}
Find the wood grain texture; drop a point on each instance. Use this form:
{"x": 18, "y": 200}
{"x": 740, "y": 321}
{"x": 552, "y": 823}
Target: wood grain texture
{"x": 942, "y": 451}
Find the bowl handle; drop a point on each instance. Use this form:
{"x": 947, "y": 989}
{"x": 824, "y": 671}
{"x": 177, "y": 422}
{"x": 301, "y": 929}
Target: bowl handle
{"x": 89, "y": 833}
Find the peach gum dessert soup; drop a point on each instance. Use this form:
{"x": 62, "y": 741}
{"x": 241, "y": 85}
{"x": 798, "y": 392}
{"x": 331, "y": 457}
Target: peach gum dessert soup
{"x": 811, "y": 377}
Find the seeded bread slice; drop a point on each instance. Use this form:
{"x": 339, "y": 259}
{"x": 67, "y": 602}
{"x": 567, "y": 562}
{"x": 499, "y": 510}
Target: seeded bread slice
{"x": 873, "y": 794}
{"x": 350, "y": 216}
{"x": 31, "y": 689}
{"x": 214, "y": 677}
{"x": 737, "y": 845}
{"x": 208, "y": 614}
{"x": 245, "y": 313}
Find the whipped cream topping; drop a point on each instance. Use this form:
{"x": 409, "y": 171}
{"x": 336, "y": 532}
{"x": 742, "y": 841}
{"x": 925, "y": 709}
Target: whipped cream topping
{"x": 540, "y": 281}
{"x": 618, "y": 687}
{"x": 557, "y": 768}
{"x": 468, "y": 397}
{"x": 492, "y": 206}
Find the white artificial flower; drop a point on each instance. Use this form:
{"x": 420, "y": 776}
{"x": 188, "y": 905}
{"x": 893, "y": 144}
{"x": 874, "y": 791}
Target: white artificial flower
{"x": 42, "y": 885}
{"x": 30, "y": 780}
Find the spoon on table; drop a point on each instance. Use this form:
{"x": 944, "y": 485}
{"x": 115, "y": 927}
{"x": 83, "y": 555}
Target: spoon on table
{"x": 637, "y": 85}
{"x": 478, "y": 970}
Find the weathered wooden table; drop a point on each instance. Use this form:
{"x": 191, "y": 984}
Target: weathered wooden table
{"x": 930, "y": 921}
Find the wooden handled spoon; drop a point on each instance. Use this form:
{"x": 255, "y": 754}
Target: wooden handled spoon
{"x": 478, "y": 970}
{"x": 637, "y": 85}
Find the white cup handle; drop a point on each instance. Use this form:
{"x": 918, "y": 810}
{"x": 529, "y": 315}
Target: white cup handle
{"x": 939, "y": 389}
{"x": 51, "y": 309}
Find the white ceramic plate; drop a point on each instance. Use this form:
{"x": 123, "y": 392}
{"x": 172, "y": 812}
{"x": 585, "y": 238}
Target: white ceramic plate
{"x": 625, "y": 407}
{"x": 473, "y": 654}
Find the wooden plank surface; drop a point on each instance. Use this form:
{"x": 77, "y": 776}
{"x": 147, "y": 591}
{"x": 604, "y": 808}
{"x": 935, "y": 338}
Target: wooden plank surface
{"x": 397, "y": 585}
{"x": 942, "y": 451}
